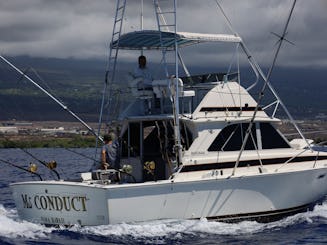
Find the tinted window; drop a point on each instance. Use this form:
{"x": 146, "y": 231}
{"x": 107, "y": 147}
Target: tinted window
{"x": 271, "y": 138}
{"x": 231, "y": 138}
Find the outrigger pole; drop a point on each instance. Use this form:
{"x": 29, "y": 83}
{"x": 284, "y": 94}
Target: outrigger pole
{"x": 257, "y": 68}
{"x": 267, "y": 83}
{"x": 52, "y": 97}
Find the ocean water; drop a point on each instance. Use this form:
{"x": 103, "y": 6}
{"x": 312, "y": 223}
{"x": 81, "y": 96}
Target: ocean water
{"x": 303, "y": 228}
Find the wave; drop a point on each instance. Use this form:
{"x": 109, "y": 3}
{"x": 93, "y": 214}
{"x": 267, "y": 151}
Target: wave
{"x": 12, "y": 227}
{"x": 193, "y": 227}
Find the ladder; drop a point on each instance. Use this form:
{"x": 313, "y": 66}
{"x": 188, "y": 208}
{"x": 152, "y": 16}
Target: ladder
{"x": 116, "y": 33}
{"x": 111, "y": 67}
{"x": 112, "y": 60}
{"x": 166, "y": 21}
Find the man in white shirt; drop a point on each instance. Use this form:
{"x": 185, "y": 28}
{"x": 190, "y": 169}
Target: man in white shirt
{"x": 143, "y": 72}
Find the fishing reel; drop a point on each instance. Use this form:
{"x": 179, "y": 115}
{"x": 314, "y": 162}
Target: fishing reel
{"x": 150, "y": 166}
{"x": 52, "y": 164}
{"x": 32, "y": 168}
{"x": 127, "y": 168}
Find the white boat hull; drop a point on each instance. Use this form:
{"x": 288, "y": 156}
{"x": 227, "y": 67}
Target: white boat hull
{"x": 60, "y": 202}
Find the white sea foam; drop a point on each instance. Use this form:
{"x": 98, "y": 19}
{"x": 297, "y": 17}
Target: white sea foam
{"x": 176, "y": 228}
{"x": 12, "y": 227}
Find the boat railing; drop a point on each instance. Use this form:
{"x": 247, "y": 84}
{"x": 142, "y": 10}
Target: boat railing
{"x": 157, "y": 98}
{"x": 160, "y": 93}
{"x": 276, "y": 104}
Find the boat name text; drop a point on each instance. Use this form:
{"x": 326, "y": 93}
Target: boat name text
{"x": 55, "y": 202}
{"x": 52, "y": 220}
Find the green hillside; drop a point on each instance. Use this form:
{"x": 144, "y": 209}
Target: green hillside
{"x": 78, "y": 84}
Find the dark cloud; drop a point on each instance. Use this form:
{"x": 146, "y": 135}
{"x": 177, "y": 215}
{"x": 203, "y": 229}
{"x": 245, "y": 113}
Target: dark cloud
{"x": 82, "y": 28}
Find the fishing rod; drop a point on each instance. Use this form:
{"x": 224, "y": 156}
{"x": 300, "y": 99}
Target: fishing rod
{"x": 50, "y": 165}
{"x": 32, "y": 169}
{"x": 81, "y": 154}
{"x": 53, "y": 98}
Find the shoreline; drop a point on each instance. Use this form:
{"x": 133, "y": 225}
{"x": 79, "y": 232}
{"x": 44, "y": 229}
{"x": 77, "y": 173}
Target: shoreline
{"x": 43, "y": 134}
{"x": 74, "y": 141}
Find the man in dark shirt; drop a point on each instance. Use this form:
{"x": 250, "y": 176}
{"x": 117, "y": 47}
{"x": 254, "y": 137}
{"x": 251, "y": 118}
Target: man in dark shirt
{"x": 110, "y": 152}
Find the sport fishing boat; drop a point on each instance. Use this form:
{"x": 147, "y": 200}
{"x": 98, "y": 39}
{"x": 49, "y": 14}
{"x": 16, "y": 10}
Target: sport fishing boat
{"x": 191, "y": 146}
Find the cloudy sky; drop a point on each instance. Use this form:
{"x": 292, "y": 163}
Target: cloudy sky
{"x": 82, "y": 28}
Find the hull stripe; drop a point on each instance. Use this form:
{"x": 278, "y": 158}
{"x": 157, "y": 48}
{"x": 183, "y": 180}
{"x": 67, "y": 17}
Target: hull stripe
{"x": 247, "y": 163}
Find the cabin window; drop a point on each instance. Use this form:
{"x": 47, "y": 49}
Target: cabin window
{"x": 270, "y": 137}
{"x": 157, "y": 136}
{"x": 231, "y": 138}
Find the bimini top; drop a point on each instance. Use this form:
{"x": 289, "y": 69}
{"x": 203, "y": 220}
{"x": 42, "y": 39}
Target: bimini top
{"x": 150, "y": 39}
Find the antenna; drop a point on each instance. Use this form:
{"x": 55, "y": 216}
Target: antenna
{"x": 280, "y": 41}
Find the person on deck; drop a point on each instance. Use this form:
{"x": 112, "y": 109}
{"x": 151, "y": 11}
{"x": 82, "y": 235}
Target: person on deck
{"x": 110, "y": 152}
{"x": 143, "y": 71}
